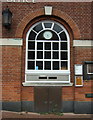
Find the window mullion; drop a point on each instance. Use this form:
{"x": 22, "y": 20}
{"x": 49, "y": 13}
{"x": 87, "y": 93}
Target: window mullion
{"x": 27, "y": 55}
{"x": 59, "y": 55}
{"x": 52, "y": 25}
{"x": 51, "y": 55}
{"x": 35, "y": 53}
{"x": 43, "y": 25}
{"x": 43, "y": 55}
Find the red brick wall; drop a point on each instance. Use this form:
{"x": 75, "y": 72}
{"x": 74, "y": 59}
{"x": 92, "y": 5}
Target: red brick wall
{"x": 83, "y": 54}
{"x": 77, "y": 93}
{"x": 27, "y": 93}
{"x": 11, "y": 60}
{"x": 79, "y": 12}
{"x": 14, "y": 57}
{"x": 81, "y": 91}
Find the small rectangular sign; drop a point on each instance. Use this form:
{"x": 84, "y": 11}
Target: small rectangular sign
{"x": 78, "y": 80}
{"x": 89, "y": 95}
{"x": 78, "y": 69}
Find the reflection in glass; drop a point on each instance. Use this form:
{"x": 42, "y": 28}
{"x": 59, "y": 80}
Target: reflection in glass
{"x": 64, "y": 65}
{"x": 90, "y": 68}
{"x": 39, "y": 65}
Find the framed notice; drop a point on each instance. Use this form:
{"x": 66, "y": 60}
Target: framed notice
{"x": 78, "y": 80}
{"x": 78, "y": 69}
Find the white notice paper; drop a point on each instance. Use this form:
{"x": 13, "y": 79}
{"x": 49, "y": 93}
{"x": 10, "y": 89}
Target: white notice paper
{"x": 78, "y": 69}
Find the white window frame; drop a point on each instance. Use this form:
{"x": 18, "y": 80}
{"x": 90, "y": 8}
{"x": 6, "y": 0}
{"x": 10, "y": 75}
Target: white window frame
{"x": 88, "y": 69}
{"x": 44, "y": 72}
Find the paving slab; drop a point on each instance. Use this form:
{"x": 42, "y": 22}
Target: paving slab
{"x": 30, "y": 115}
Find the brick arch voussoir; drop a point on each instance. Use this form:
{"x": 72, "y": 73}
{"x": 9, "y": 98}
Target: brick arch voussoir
{"x": 40, "y": 12}
{"x": 23, "y": 23}
{"x": 70, "y": 21}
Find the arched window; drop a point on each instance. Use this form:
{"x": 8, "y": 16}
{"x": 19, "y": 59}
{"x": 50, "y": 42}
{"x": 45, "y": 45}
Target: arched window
{"x": 47, "y": 48}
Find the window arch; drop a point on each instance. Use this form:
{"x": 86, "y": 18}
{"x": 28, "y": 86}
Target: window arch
{"x": 47, "y": 48}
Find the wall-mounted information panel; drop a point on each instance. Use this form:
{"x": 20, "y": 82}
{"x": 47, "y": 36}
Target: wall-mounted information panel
{"x": 78, "y": 80}
{"x": 78, "y": 69}
{"x": 78, "y": 75}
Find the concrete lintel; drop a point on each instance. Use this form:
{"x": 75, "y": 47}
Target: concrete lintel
{"x": 11, "y": 41}
{"x": 82, "y": 43}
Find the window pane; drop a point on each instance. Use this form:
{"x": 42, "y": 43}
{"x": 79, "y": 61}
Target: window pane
{"x": 55, "y": 46}
{"x": 55, "y": 36}
{"x": 39, "y": 65}
{"x": 55, "y": 65}
{"x": 47, "y": 55}
{"x": 31, "y": 45}
{"x": 47, "y": 45}
{"x": 39, "y": 45}
{"x": 32, "y": 36}
{"x": 63, "y": 46}
{"x": 39, "y": 54}
{"x": 90, "y": 68}
{"x": 57, "y": 28}
{"x": 47, "y": 25}
{"x": 31, "y": 54}
{"x": 55, "y": 55}
{"x": 63, "y": 36}
{"x": 38, "y": 27}
{"x": 42, "y": 37}
{"x": 31, "y": 65}
{"x": 64, "y": 56}
{"x": 64, "y": 65}
{"x": 47, "y": 65}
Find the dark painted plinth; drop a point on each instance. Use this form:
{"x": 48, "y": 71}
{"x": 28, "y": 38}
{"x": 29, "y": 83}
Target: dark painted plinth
{"x": 67, "y": 107}
{"x": 18, "y": 106}
{"x": 28, "y": 106}
{"x": 11, "y": 106}
{"x": 83, "y": 107}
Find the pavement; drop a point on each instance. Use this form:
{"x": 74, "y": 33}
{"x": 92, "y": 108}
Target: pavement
{"x": 8, "y": 115}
